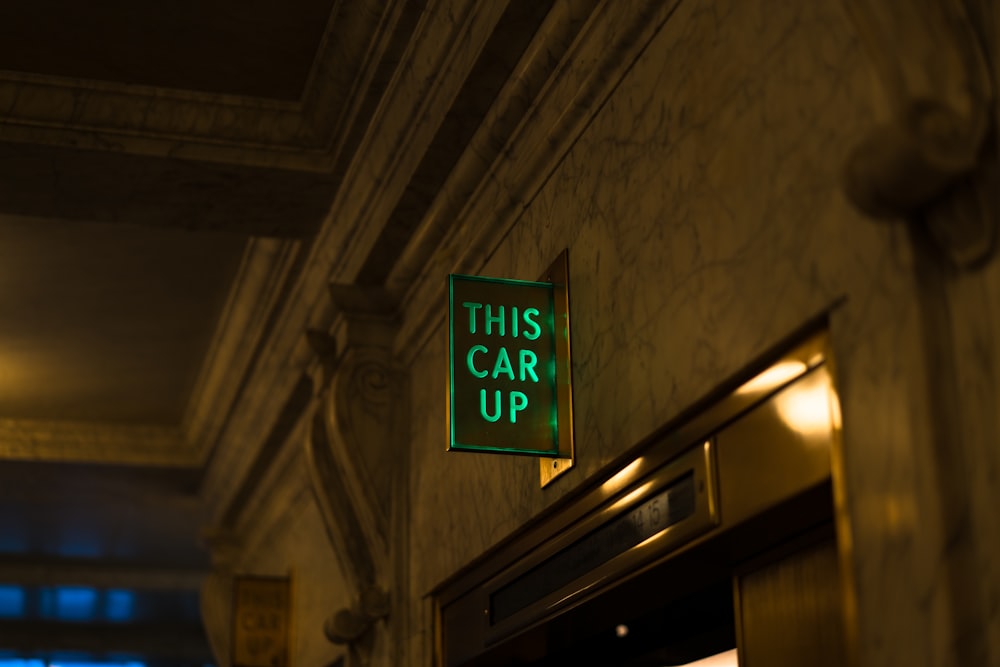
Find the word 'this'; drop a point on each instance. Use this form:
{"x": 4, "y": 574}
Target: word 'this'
{"x": 494, "y": 321}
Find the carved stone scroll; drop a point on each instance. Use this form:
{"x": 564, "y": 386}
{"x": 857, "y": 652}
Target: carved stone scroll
{"x": 343, "y": 527}
{"x": 357, "y": 453}
{"x": 932, "y": 67}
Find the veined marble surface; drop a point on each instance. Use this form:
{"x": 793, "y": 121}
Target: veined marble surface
{"x": 282, "y": 533}
{"x": 297, "y": 546}
{"x": 704, "y": 218}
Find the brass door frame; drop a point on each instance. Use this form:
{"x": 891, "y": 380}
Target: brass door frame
{"x": 462, "y": 602}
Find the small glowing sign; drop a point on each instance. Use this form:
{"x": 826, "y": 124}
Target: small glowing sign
{"x": 505, "y": 366}
{"x": 261, "y": 611}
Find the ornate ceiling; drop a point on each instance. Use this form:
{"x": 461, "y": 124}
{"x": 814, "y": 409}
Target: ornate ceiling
{"x": 140, "y": 152}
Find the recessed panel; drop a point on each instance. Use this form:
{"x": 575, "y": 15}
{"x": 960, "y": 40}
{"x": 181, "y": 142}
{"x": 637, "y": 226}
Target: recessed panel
{"x": 250, "y": 47}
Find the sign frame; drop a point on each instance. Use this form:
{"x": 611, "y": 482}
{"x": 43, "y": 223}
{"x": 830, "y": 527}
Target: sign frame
{"x": 242, "y": 582}
{"x": 556, "y": 280}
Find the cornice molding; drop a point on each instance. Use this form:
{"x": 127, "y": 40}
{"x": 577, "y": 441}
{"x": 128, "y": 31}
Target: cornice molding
{"x": 85, "y": 442}
{"x": 603, "y": 50}
{"x": 174, "y": 123}
{"x": 516, "y": 102}
{"x": 256, "y": 292}
{"x": 435, "y": 65}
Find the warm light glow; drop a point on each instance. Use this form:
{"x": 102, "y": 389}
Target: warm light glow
{"x": 622, "y": 477}
{"x": 621, "y": 631}
{"x": 806, "y": 409}
{"x": 773, "y": 377}
{"x": 631, "y": 496}
{"x": 727, "y": 659}
{"x": 835, "y": 410}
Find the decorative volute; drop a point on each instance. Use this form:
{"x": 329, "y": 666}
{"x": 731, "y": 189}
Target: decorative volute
{"x": 356, "y": 451}
{"x": 927, "y": 160}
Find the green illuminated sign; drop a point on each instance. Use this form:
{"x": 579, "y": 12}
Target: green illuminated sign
{"x": 504, "y": 391}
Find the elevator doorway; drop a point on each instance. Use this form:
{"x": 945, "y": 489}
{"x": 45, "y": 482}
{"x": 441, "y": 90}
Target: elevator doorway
{"x": 784, "y": 611}
{"x": 712, "y": 545}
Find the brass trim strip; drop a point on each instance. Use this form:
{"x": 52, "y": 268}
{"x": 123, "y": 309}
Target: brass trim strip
{"x": 551, "y": 469}
{"x": 699, "y": 460}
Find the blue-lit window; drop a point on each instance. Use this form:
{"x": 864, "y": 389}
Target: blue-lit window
{"x": 69, "y": 659}
{"x": 19, "y": 662}
{"x": 68, "y": 603}
{"x": 11, "y": 602}
{"x": 119, "y": 605}
{"x": 76, "y": 604}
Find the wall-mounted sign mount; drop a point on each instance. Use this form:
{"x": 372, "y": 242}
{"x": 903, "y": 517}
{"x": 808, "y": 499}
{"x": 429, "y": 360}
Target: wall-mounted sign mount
{"x": 510, "y": 388}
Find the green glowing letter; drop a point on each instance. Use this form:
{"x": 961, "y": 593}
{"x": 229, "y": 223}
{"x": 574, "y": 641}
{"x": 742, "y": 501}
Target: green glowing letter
{"x": 503, "y": 365}
{"x": 528, "y": 361}
{"x": 472, "y": 368}
{"x": 473, "y": 307}
{"x": 482, "y": 406}
{"x": 513, "y": 321}
{"x": 531, "y": 324}
{"x": 518, "y": 402}
{"x": 491, "y": 320}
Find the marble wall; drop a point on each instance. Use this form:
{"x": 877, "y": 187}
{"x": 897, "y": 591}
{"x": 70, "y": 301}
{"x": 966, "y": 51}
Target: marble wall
{"x": 705, "y": 221}
{"x": 284, "y": 535}
{"x": 297, "y": 546}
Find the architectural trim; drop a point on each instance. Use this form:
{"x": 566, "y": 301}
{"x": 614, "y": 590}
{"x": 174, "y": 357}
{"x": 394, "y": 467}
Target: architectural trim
{"x": 343, "y": 527}
{"x": 174, "y": 123}
{"x": 256, "y": 293}
{"x": 362, "y": 408}
{"x": 83, "y": 442}
{"x": 541, "y": 60}
{"x": 925, "y": 162}
{"x": 445, "y": 43}
{"x": 278, "y": 494}
{"x": 358, "y": 456}
{"x": 603, "y": 51}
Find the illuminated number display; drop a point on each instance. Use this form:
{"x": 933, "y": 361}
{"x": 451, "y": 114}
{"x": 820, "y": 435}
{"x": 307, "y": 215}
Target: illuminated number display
{"x": 502, "y": 386}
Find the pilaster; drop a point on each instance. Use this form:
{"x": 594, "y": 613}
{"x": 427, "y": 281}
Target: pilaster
{"x": 357, "y": 453}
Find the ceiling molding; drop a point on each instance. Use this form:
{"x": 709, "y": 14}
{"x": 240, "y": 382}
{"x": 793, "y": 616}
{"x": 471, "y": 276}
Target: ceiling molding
{"x": 256, "y": 293}
{"x": 164, "y": 122}
{"x": 278, "y": 495}
{"x": 465, "y": 236}
{"x": 445, "y": 43}
{"x": 84, "y": 442}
